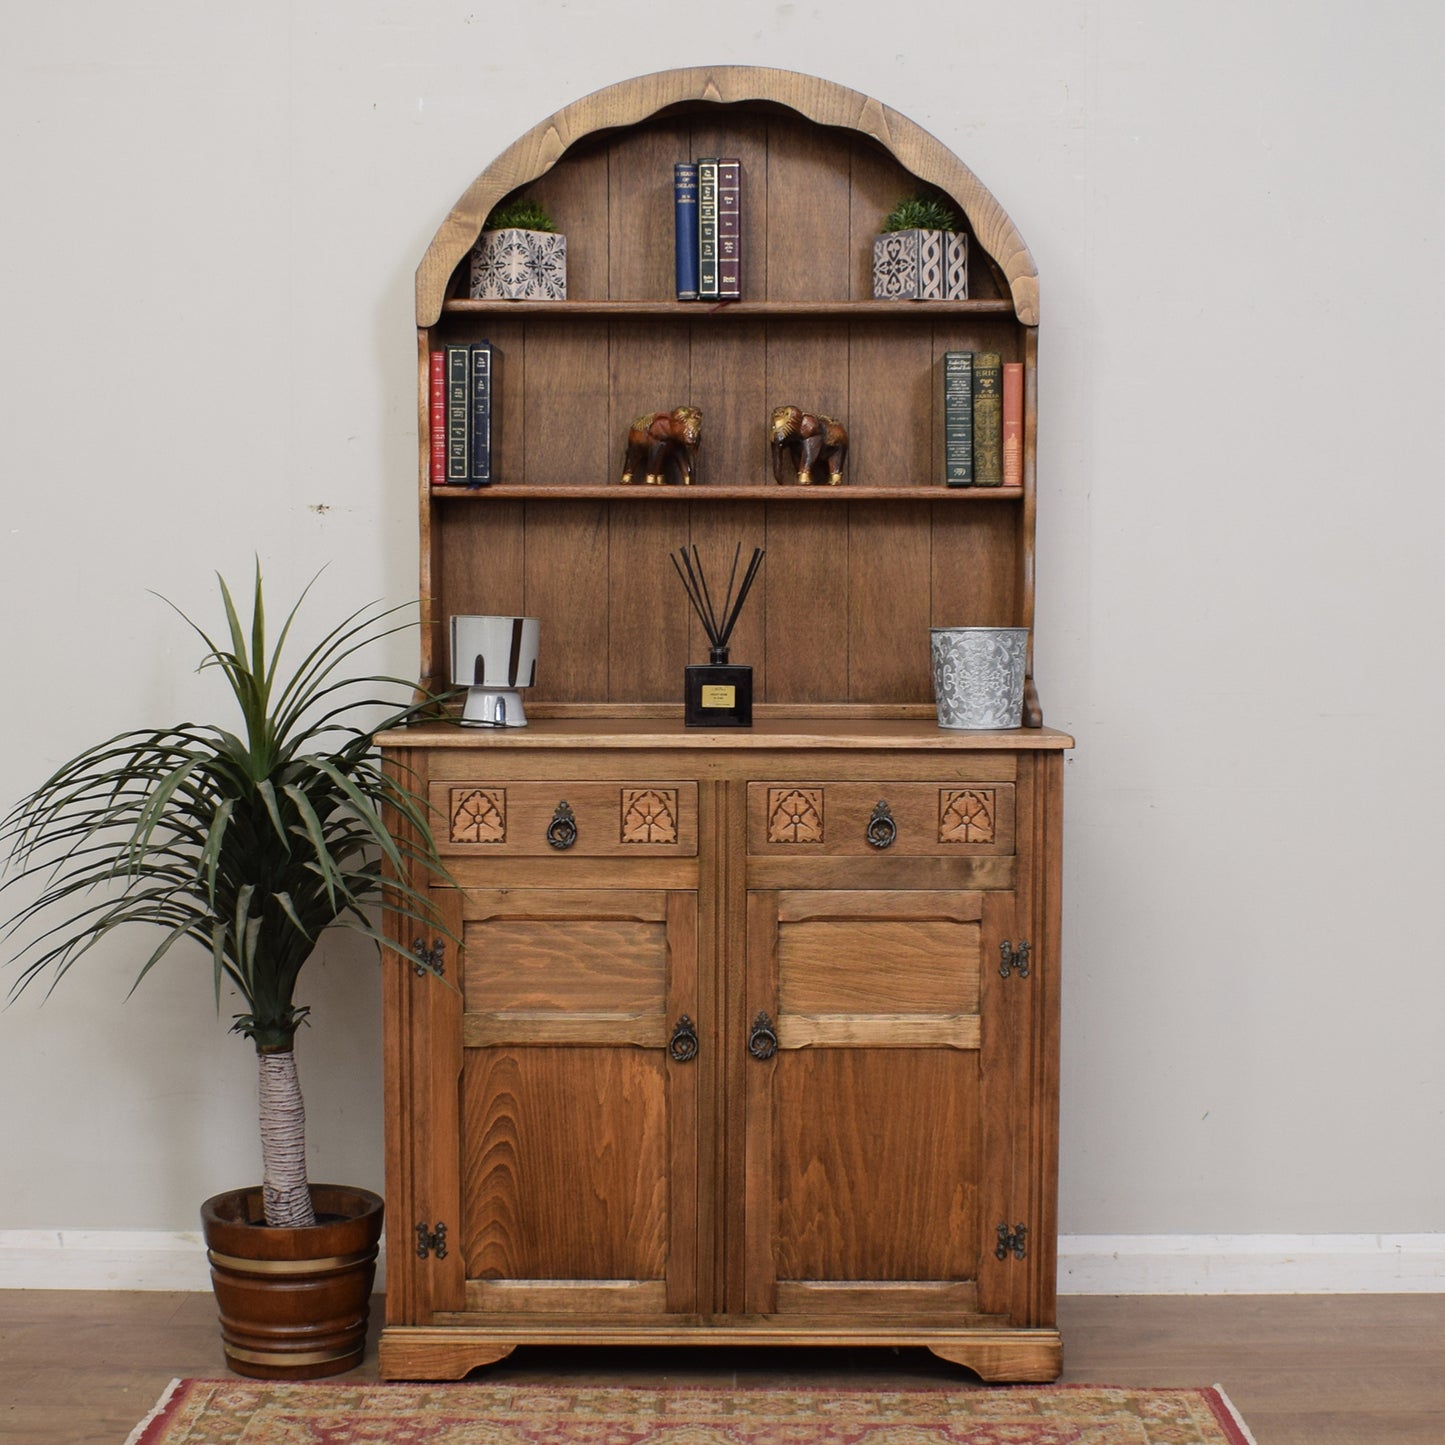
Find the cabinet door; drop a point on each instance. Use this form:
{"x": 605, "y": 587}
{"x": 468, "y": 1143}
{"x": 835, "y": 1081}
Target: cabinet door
{"x": 572, "y": 1167}
{"x": 882, "y": 1127}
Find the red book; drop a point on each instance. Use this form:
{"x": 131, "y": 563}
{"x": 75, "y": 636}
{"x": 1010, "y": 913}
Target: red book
{"x": 1013, "y": 424}
{"x": 438, "y": 418}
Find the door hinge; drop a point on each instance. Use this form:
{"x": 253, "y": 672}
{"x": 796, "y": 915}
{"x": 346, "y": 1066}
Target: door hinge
{"x": 429, "y": 960}
{"x": 1011, "y": 1242}
{"x": 431, "y": 1241}
{"x": 1013, "y": 958}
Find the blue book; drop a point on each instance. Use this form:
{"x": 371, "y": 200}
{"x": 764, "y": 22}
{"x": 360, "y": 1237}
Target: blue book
{"x": 684, "y": 199}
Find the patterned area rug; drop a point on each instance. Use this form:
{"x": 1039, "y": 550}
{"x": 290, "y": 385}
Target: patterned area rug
{"x": 233, "y": 1412}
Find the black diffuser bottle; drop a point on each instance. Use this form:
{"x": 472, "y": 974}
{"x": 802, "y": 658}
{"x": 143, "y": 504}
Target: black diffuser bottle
{"x": 717, "y": 694}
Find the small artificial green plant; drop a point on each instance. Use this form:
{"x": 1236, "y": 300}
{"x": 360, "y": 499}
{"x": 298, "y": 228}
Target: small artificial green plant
{"x": 519, "y": 216}
{"x": 921, "y": 213}
{"x": 248, "y": 840}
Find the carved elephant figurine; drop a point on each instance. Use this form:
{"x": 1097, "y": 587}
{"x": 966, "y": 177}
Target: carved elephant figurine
{"x": 806, "y": 440}
{"x": 660, "y": 440}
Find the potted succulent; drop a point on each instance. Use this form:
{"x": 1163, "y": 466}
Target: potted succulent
{"x": 250, "y": 843}
{"x": 519, "y": 256}
{"x": 922, "y": 254}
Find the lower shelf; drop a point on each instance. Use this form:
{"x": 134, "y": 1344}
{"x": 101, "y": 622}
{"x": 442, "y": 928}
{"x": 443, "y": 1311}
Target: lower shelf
{"x": 432, "y": 1352}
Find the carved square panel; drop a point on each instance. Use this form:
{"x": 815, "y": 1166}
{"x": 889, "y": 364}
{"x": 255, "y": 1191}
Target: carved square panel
{"x": 795, "y": 815}
{"x": 967, "y": 815}
{"x": 649, "y": 815}
{"x": 479, "y": 815}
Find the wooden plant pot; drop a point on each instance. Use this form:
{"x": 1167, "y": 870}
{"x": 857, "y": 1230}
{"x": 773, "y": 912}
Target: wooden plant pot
{"x": 293, "y": 1302}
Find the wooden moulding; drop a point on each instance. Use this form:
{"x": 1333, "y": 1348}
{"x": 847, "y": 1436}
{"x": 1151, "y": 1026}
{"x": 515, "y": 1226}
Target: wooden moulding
{"x": 435, "y": 1352}
{"x": 633, "y": 101}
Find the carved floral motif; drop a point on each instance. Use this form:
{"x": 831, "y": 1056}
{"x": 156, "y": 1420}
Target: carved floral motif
{"x": 649, "y": 815}
{"x": 966, "y": 815}
{"x": 479, "y": 815}
{"x": 795, "y": 815}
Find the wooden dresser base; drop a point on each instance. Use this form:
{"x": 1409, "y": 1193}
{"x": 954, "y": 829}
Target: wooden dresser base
{"x": 431, "y": 1353}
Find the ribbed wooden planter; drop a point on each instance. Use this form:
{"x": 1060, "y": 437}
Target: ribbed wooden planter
{"x": 293, "y": 1302}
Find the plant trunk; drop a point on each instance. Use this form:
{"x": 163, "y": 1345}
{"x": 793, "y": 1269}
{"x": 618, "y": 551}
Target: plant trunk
{"x": 286, "y": 1191}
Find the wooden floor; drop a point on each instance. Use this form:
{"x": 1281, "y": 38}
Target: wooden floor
{"x": 79, "y": 1367}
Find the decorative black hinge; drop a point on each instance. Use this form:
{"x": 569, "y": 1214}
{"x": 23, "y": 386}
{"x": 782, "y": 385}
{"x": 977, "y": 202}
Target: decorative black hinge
{"x": 431, "y": 959}
{"x": 431, "y": 1241}
{"x": 1013, "y": 958}
{"x": 1011, "y": 1242}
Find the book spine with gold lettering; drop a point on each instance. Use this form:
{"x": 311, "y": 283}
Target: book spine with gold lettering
{"x": 1013, "y": 424}
{"x": 459, "y": 414}
{"x": 958, "y": 418}
{"x": 437, "y": 406}
{"x": 729, "y": 229}
{"x": 707, "y": 228}
{"x": 987, "y": 420}
{"x": 684, "y": 208}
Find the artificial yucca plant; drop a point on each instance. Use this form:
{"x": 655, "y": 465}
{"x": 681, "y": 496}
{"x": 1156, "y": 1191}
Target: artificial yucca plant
{"x": 250, "y": 843}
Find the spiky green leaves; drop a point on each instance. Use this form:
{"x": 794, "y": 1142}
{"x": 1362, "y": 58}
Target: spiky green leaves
{"x": 250, "y": 842}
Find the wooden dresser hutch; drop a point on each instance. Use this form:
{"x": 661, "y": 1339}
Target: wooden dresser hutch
{"x": 723, "y": 1069}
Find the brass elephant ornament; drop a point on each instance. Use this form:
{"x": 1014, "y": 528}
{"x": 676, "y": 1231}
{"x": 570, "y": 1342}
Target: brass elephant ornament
{"x": 660, "y": 443}
{"x": 806, "y": 441}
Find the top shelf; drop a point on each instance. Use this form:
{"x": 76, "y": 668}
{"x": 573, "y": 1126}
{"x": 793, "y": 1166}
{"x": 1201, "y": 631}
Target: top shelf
{"x": 737, "y": 310}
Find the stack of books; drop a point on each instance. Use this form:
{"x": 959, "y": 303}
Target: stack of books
{"x": 463, "y": 378}
{"x": 983, "y": 420}
{"x": 707, "y": 214}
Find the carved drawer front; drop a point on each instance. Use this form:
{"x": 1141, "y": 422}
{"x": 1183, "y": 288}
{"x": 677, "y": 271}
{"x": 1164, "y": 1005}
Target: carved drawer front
{"x": 905, "y": 819}
{"x": 566, "y": 819}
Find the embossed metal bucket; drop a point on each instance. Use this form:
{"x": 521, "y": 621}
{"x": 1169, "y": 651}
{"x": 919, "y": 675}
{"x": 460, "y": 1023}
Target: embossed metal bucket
{"x": 978, "y": 675}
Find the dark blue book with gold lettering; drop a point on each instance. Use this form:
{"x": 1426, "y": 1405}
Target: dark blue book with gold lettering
{"x": 684, "y": 205}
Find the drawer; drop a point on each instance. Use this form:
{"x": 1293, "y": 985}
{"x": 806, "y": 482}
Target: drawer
{"x": 953, "y": 819}
{"x": 561, "y": 818}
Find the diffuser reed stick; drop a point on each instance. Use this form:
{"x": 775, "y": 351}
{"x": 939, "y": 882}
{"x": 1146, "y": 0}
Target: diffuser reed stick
{"x": 694, "y": 582}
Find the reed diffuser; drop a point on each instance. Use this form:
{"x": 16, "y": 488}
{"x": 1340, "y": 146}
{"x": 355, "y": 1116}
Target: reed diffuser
{"x": 717, "y": 694}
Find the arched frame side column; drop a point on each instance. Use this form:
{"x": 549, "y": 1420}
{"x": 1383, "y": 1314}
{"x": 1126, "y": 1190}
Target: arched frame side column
{"x": 821, "y": 101}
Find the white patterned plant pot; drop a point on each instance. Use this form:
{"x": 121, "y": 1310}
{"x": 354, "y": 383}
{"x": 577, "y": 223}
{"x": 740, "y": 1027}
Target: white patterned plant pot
{"x": 978, "y": 675}
{"x": 908, "y": 266}
{"x": 955, "y": 266}
{"x": 515, "y": 265}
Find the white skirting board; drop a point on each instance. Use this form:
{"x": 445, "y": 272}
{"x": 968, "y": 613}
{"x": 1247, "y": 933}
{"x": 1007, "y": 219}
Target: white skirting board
{"x": 1088, "y": 1263}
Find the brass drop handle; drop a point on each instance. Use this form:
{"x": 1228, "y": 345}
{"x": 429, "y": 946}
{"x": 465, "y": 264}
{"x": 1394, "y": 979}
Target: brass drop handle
{"x": 683, "y": 1044}
{"x": 762, "y": 1041}
{"x": 562, "y": 830}
{"x": 882, "y": 830}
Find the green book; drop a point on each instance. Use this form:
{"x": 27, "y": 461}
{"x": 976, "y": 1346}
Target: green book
{"x": 987, "y": 420}
{"x": 958, "y": 418}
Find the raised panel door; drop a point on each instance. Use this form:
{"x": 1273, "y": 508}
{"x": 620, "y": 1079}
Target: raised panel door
{"x": 568, "y": 1168}
{"x": 879, "y": 1111}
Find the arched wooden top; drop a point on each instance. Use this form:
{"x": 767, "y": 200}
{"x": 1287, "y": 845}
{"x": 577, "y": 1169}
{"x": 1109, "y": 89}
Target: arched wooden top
{"x": 632, "y": 101}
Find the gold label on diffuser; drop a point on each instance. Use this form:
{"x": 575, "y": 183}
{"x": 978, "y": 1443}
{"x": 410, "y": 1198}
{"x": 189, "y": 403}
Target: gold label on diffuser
{"x": 716, "y": 696}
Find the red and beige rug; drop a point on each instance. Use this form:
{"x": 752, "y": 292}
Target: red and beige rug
{"x": 235, "y": 1412}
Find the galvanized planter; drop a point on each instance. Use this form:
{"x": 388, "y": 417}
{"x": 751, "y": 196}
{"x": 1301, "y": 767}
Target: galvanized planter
{"x": 978, "y": 675}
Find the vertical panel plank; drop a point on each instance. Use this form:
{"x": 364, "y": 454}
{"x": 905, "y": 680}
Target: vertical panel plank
{"x": 889, "y": 550}
{"x": 481, "y": 561}
{"x": 649, "y": 616}
{"x": 974, "y": 581}
{"x": 566, "y": 582}
{"x": 640, "y": 233}
{"x": 577, "y": 195}
{"x": 807, "y": 238}
{"x": 889, "y": 407}
{"x": 565, "y": 389}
